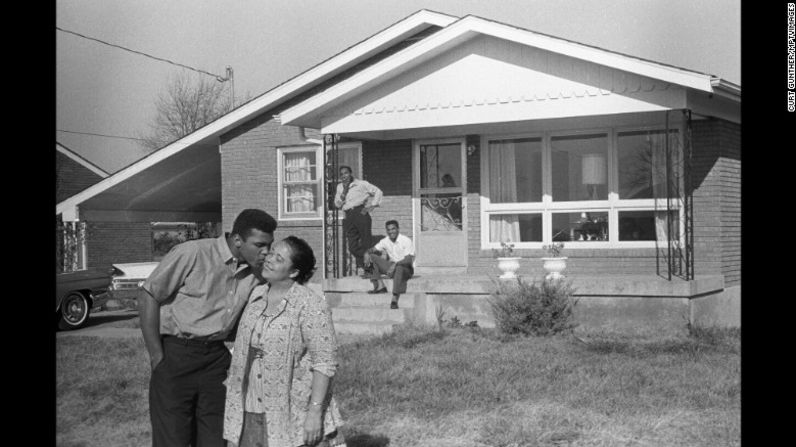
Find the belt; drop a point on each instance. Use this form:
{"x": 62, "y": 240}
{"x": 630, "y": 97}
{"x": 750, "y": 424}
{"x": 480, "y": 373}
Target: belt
{"x": 196, "y": 341}
{"x": 356, "y": 208}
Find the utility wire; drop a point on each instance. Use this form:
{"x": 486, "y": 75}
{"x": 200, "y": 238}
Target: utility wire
{"x": 218, "y": 78}
{"x": 100, "y": 135}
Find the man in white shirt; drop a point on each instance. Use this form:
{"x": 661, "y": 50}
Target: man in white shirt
{"x": 400, "y": 254}
{"x": 357, "y": 198}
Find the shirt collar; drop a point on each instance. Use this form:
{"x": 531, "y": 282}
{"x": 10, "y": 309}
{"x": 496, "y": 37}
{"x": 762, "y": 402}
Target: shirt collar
{"x": 226, "y": 253}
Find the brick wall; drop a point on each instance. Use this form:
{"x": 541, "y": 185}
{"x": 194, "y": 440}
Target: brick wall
{"x": 716, "y": 169}
{"x": 118, "y": 242}
{"x": 71, "y": 177}
{"x": 730, "y": 163}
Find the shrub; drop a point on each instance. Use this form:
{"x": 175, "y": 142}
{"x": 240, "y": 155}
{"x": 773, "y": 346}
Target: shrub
{"x": 526, "y": 308}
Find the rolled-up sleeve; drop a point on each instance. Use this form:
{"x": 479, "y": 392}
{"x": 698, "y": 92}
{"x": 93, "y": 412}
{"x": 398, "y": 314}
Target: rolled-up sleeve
{"x": 318, "y": 332}
{"x": 170, "y": 274}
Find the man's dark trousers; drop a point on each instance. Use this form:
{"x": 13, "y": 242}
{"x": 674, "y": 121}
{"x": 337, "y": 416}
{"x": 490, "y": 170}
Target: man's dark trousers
{"x": 357, "y": 230}
{"x": 186, "y": 394}
{"x": 400, "y": 276}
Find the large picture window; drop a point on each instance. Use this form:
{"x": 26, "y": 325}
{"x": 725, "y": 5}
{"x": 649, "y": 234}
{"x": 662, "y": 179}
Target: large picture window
{"x": 593, "y": 189}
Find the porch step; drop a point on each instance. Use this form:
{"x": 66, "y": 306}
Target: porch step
{"x": 354, "y": 311}
{"x": 365, "y": 300}
{"x": 369, "y": 314}
{"x": 366, "y": 320}
{"x": 359, "y": 328}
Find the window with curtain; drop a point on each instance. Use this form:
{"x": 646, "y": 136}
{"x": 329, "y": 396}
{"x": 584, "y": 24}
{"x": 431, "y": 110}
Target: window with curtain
{"x": 515, "y": 176}
{"x": 300, "y": 187}
{"x": 601, "y": 188}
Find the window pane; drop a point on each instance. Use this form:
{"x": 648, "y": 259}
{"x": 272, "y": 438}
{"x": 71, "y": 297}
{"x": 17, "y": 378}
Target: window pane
{"x": 647, "y": 225}
{"x": 300, "y": 198}
{"x": 299, "y": 166}
{"x": 583, "y": 226}
{"x": 515, "y": 170}
{"x": 441, "y": 165}
{"x": 642, "y": 163}
{"x": 515, "y": 228}
{"x": 441, "y": 212}
{"x": 580, "y": 168}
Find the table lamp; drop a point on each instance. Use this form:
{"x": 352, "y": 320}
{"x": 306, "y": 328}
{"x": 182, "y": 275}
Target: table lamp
{"x": 593, "y": 172}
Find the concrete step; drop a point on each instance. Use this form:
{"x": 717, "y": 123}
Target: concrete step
{"x": 353, "y": 284}
{"x": 360, "y": 299}
{"x": 346, "y": 327}
{"x": 368, "y": 315}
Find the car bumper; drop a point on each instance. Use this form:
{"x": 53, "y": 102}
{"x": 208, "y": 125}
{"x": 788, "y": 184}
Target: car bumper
{"x": 98, "y": 298}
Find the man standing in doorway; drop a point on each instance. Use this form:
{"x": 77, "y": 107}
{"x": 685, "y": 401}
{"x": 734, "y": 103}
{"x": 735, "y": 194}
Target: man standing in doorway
{"x": 189, "y": 306}
{"x": 400, "y": 253}
{"x": 357, "y": 198}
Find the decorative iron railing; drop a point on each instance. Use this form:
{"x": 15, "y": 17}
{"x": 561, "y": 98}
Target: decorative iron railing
{"x": 675, "y": 253}
{"x": 337, "y": 261}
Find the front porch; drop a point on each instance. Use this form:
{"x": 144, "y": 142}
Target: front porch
{"x": 632, "y": 304}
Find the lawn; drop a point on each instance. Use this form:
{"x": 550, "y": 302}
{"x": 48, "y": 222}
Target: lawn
{"x": 461, "y": 387}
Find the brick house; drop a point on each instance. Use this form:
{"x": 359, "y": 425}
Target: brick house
{"x": 73, "y": 173}
{"x": 479, "y": 133}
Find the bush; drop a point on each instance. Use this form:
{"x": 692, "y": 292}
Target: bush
{"x": 533, "y": 309}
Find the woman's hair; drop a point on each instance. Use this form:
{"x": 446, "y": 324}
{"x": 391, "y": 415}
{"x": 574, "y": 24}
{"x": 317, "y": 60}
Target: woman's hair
{"x": 302, "y": 258}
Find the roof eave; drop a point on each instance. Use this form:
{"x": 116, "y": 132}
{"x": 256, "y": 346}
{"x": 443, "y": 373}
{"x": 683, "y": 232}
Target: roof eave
{"x": 726, "y": 89}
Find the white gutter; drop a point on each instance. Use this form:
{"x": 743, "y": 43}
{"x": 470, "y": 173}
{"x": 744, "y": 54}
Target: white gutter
{"x": 726, "y": 89}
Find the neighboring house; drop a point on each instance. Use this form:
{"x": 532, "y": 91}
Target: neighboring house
{"x": 480, "y": 132}
{"x": 73, "y": 173}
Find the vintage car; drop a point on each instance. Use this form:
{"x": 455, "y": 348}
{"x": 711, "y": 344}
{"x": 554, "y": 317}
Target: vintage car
{"x": 129, "y": 277}
{"x": 76, "y": 293}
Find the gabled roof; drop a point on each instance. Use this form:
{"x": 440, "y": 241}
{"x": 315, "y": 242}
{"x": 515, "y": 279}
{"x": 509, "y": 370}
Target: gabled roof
{"x": 82, "y": 161}
{"x": 325, "y": 70}
{"x": 471, "y": 26}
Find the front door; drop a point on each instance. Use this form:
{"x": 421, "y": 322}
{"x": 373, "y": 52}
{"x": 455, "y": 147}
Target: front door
{"x": 439, "y": 202}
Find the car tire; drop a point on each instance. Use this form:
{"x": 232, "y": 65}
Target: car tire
{"x": 74, "y": 311}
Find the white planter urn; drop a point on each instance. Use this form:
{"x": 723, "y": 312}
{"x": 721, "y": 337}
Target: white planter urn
{"x": 509, "y": 267}
{"x": 554, "y": 267}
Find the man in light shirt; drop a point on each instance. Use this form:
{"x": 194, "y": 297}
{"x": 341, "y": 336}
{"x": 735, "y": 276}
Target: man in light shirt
{"x": 357, "y": 198}
{"x": 400, "y": 252}
{"x": 188, "y": 307}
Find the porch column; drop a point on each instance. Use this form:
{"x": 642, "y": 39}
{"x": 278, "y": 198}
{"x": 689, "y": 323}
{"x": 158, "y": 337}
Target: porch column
{"x": 331, "y": 249}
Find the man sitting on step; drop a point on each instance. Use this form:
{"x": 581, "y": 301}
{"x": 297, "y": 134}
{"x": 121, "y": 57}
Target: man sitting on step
{"x": 400, "y": 254}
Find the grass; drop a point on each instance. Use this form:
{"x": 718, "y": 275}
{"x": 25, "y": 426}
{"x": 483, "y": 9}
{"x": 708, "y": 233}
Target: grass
{"x": 462, "y": 387}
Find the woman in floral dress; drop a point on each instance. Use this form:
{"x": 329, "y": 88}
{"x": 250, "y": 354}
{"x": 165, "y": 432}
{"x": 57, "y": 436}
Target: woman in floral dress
{"x": 285, "y": 354}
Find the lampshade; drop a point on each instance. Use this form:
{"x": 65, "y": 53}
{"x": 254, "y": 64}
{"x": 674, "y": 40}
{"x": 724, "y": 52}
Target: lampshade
{"x": 593, "y": 169}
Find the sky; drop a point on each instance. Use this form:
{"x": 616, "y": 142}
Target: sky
{"x": 108, "y": 91}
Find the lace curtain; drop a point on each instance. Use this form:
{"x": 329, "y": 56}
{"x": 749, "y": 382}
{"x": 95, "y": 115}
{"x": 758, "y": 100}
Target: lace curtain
{"x": 299, "y": 168}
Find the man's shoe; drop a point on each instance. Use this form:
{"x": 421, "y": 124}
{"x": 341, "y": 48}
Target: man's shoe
{"x": 382, "y": 290}
{"x": 394, "y": 305}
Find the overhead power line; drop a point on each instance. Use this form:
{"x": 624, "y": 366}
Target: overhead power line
{"x": 99, "y": 135}
{"x": 218, "y": 77}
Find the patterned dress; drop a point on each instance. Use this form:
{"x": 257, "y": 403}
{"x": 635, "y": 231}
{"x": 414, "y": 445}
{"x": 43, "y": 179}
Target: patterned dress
{"x": 291, "y": 340}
